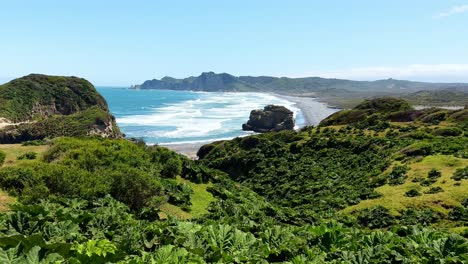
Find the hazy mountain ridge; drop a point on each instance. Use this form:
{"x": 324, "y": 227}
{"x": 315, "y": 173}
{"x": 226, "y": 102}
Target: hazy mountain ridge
{"x": 338, "y": 92}
{"x": 210, "y": 81}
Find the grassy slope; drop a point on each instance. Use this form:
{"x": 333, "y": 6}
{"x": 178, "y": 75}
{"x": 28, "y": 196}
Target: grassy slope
{"x": 200, "y": 200}
{"x": 12, "y": 151}
{"x": 393, "y": 197}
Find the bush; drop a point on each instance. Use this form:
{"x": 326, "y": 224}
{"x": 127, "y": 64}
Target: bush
{"x": 376, "y": 217}
{"x": 448, "y": 132}
{"x": 171, "y": 163}
{"x": 434, "y": 174}
{"x": 428, "y": 182}
{"x": 461, "y": 174}
{"x": 418, "y": 149}
{"x": 28, "y": 156}
{"x": 434, "y": 118}
{"x": 434, "y": 190}
{"x": 34, "y": 143}
{"x": 465, "y": 203}
{"x": 93, "y": 168}
{"x": 412, "y": 193}
{"x": 415, "y": 216}
{"x": 2, "y": 157}
{"x": 398, "y": 175}
{"x": 458, "y": 214}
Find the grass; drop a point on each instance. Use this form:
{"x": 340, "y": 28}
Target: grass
{"x": 5, "y": 201}
{"x": 393, "y": 197}
{"x": 12, "y": 152}
{"x": 200, "y": 199}
{"x": 173, "y": 211}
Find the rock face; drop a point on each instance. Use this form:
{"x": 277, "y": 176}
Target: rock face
{"x": 40, "y": 106}
{"x": 271, "y": 118}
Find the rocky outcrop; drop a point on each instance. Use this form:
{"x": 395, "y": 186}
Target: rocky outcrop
{"x": 40, "y": 106}
{"x": 271, "y": 118}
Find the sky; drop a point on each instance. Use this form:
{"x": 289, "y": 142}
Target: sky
{"x": 112, "y": 42}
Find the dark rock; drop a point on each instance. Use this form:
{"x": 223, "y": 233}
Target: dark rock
{"x": 271, "y": 118}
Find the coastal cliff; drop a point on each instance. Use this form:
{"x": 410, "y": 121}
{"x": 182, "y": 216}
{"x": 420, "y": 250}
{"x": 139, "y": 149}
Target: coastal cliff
{"x": 39, "y": 106}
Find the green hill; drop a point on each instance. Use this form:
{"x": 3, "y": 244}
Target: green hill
{"x": 358, "y": 192}
{"x": 39, "y": 106}
{"x": 444, "y": 97}
{"x": 346, "y": 161}
{"x": 375, "y": 112}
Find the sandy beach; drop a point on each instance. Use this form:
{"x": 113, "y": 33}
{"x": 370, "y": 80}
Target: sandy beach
{"x": 312, "y": 110}
{"x": 187, "y": 149}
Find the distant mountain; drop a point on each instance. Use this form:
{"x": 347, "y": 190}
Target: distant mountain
{"x": 210, "y": 81}
{"x": 337, "y": 92}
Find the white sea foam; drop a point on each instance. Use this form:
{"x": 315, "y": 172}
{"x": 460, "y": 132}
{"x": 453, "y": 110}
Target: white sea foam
{"x": 203, "y": 117}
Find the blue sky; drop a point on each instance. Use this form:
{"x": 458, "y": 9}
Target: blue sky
{"x": 126, "y": 42}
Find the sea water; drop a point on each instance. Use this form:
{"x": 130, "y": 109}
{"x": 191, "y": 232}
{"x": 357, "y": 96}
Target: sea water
{"x": 174, "y": 117}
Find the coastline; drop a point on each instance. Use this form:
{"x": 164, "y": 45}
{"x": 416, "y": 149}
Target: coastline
{"x": 187, "y": 149}
{"x": 312, "y": 109}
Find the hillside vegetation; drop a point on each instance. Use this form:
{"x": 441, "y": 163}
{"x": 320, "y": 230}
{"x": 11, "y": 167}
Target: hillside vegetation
{"x": 353, "y": 192}
{"x": 39, "y": 106}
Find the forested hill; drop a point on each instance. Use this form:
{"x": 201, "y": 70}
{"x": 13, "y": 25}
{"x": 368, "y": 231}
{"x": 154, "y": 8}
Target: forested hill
{"x": 210, "y": 81}
{"x": 341, "y": 93}
{"x": 39, "y": 106}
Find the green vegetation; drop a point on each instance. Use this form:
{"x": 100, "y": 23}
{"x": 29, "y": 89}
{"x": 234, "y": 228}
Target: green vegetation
{"x": 13, "y": 151}
{"x": 36, "y": 96}
{"x": 27, "y": 156}
{"x": 378, "y": 113}
{"x": 2, "y": 157}
{"x": 443, "y": 97}
{"x": 350, "y": 193}
{"x": 41, "y": 106}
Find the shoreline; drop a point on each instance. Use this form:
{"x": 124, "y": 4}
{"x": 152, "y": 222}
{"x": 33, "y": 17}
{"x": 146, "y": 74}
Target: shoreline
{"x": 312, "y": 115}
{"x": 187, "y": 149}
{"x": 312, "y": 109}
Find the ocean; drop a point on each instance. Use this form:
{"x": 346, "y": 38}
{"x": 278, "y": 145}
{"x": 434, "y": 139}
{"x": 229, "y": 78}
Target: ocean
{"x": 176, "y": 117}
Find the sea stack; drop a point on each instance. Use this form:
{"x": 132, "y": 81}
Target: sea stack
{"x": 272, "y": 118}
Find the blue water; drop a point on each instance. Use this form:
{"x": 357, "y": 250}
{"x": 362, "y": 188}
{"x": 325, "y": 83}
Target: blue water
{"x": 169, "y": 117}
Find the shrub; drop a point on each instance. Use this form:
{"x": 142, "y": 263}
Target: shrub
{"x": 434, "y": 190}
{"x": 428, "y": 182}
{"x": 412, "y": 193}
{"x": 461, "y": 174}
{"x": 171, "y": 163}
{"x": 376, "y": 217}
{"x": 434, "y": 118}
{"x": 434, "y": 174}
{"x": 385, "y": 104}
{"x": 465, "y": 203}
{"x": 34, "y": 143}
{"x": 28, "y": 156}
{"x": 413, "y": 216}
{"x": 398, "y": 175}
{"x": 448, "y": 132}
{"x": 418, "y": 149}
{"x": 2, "y": 157}
{"x": 458, "y": 214}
